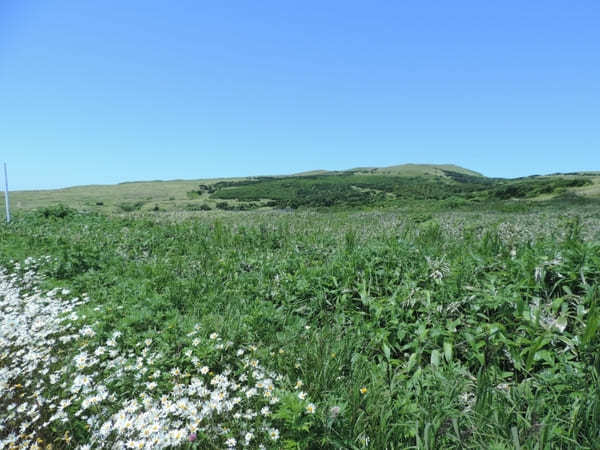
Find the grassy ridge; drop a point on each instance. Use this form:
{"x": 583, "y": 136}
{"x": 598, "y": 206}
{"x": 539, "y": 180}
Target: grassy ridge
{"x": 422, "y": 330}
{"x": 396, "y": 186}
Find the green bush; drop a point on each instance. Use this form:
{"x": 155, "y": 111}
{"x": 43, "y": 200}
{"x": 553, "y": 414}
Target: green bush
{"x": 130, "y": 207}
{"x": 59, "y": 211}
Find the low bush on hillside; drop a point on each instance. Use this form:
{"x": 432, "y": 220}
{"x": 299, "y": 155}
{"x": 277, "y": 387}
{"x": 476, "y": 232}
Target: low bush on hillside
{"x": 130, "y": 207}
{"x": 59, "y": 211}
{"x": 196, "y": 207}
{"x": 535, "y": 187}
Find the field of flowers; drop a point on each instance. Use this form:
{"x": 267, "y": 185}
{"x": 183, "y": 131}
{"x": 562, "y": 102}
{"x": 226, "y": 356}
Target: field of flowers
{"x": 301, "y": 330}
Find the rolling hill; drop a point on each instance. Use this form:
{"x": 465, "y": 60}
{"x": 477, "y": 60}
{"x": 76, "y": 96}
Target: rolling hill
{"x": 358, "y": 187}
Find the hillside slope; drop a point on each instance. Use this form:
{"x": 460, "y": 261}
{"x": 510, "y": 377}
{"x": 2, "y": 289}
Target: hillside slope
{"x": 359, "y": 187}
{"x": 413, "y": 170}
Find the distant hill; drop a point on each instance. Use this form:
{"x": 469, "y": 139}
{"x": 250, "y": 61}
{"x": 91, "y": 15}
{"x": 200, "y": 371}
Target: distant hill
{"x": 413, "y": 170}
{"x": 409, "y": 170}
{"x": 391, "y": 186}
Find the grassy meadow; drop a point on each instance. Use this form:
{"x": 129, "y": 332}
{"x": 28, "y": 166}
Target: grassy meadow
{"x": 410, "y": 312}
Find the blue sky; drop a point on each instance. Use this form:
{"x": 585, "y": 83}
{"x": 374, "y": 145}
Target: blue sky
{"x": 110, "y": 91}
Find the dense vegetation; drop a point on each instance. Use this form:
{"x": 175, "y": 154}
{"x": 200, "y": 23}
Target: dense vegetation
{"x": 353, "y": 189}
{"x": 410, "y": 329}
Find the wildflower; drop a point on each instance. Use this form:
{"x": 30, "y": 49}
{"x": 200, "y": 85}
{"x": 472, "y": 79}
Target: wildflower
{"x": 213, "y": 336}
{"x": 503, "y": 387}
{"x": 311, "y": 408}
{"x": 363, "y": 390}
{"x": 274, "y": 434}
{"x": 302, "y": 395}
{"x": 141, "y": 421}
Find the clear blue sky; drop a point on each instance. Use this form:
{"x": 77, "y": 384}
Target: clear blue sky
{"x": 112, "y": 90}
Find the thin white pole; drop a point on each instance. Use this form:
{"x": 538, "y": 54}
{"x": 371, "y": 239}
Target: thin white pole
{"x": 6, "y": 195}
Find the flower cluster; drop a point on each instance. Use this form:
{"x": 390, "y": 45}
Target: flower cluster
{"x": 31, "y": 325}
{"x": 57, "y": 372}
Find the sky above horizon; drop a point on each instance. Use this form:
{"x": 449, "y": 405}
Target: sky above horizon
{"x": 112, "y": 91}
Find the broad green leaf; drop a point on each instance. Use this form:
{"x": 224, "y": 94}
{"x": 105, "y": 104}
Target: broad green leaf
{"x": 448, "y": 351}
{"x": 411, "y": 362}
{"x": 386, "y": 351}
{"x": 435, "y": 358}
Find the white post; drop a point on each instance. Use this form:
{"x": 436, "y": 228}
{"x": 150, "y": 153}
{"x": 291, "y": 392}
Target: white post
{"x": 6, "y": 195}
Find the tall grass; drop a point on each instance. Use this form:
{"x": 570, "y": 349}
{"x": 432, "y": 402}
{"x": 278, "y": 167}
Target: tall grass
{"x": 406, "y": 330}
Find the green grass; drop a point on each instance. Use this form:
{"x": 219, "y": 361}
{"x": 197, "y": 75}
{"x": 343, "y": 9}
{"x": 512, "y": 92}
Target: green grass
{"x": 114, "y": 199}
{"x": 424, "y": 327}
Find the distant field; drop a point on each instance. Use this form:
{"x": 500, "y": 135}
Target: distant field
{"x": 107, "y": 198}
{"x": 388, "y": 187}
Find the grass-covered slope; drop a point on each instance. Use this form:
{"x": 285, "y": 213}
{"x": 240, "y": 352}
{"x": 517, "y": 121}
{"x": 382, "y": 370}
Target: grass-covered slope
{"x": 376, "y": 330}
{"x": 413, "y": 170}
{"x": 393, "y": 187}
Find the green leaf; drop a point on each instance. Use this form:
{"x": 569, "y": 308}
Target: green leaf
{"x": 515, "y": 435}
{"x": 561, "y": 323}
{"x": 386, "y": 351}
{"x": 411, "y": 362}
{"x": 448, "y": 351}
{"x": 592, "y": 325}
{"x": 480, "y": 357}
{"x": 435, "y": 358}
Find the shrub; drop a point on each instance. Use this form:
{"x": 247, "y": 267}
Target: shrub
{"x": 195, "y": 207}
{"x": 130, "y": 207}
{"x": 59, "y": 211}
